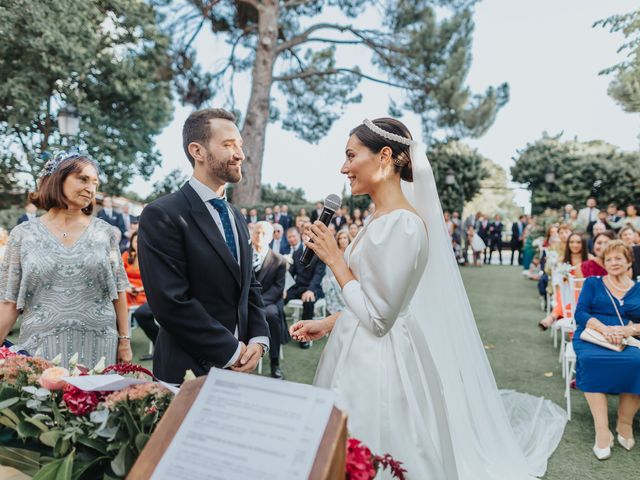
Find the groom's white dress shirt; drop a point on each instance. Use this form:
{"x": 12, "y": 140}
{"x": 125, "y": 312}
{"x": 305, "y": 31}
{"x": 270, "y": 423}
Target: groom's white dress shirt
{"x": 206, "y": 194}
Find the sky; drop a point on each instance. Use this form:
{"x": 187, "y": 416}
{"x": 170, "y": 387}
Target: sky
{"x": 548, "y": 52}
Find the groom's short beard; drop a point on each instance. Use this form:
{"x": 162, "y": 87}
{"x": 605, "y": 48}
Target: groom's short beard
{"x": 220, "y": 170}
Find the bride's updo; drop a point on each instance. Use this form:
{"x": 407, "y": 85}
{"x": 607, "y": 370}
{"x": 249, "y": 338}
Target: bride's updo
{"x": 375, "y": 142}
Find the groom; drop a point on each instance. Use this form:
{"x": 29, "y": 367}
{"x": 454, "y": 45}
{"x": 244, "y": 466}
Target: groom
{"x": 196, "y": 260}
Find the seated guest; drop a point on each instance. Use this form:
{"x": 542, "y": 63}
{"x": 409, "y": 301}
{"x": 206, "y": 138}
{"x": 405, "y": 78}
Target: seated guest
{"x": 253, "y": 216}
{"x": 627, "y": 235}
{"x": 270, "y": 269}
{"x": 294, "y": 243}
{"x": 594, "y": 267}
{"x": 611, "y": 306}
{"x": 308, "y": 281}
{"x": 301, "y": 220}
{"x": 135, "y": 293}
{"x": 352, "y": 232}
{"x": 357, "y": 217}
{"x": 279, "y": 243}
{"x": 598, "y": 227}
{"x": 575, "y": 255}
{"x": 632, "y": 217}
{"x": 29, "y": 213}
{"x": 268, "y": 215}
{"x": 330, "y": 287}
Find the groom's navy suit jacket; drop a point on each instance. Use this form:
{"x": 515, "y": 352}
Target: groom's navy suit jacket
{"x": 196, "y": 290}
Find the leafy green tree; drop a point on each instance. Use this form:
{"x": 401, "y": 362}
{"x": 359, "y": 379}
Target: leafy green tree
{"x": 625, "y": 87}
{"x": 579, "y": 170}
{"x": 464, "y": 164}
{"x": 420, "y": 48}
{"x": 169, "y": 184}
{"x": 281, "y": 194}
{"x": 106, "y": 57}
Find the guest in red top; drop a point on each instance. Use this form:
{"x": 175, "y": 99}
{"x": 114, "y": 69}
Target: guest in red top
{"x": 135, "y": 294}
{"x": 594, "y": 267}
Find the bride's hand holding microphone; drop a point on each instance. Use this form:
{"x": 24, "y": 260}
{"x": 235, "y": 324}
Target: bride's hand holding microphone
{"x": 322, "y": 243}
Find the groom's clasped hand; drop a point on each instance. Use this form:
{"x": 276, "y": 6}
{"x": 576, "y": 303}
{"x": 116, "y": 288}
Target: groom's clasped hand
{"x": 249, "y": 357}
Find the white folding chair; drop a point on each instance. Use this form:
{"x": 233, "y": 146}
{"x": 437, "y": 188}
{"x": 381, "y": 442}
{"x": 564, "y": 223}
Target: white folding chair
{"x": 569, "y": 366}
{"x": 569, "y": 310}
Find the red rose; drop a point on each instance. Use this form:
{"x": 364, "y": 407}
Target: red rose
{"x": 80, "y": 402}
{"x": 359, "y": 461}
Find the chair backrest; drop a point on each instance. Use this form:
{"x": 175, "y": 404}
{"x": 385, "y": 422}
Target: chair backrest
{"x": 575, "y": 284}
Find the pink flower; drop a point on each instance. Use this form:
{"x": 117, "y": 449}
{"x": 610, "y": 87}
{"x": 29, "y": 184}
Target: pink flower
{"x": 6, "y": 353}
{"x": 51, "y": 378}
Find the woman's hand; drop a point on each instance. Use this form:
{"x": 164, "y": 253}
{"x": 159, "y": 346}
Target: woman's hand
{"x": 307, "y": 330}
{"x": 324, "y": 243}
{"x": 124, "y": 354}
{"x": 615, "y": 335}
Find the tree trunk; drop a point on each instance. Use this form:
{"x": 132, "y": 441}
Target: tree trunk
{"x": 247, "y": 192}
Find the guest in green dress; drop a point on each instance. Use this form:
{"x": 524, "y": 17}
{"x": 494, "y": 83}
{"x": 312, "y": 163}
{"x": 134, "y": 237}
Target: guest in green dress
{"x": 62, "y": 273}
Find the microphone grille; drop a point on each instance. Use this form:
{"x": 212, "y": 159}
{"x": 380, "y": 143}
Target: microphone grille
{"x": 333, "y": 202}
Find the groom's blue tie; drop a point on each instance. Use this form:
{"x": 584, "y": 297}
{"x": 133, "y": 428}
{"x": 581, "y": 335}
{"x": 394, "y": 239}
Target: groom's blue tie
{"x": 221, "y": 207}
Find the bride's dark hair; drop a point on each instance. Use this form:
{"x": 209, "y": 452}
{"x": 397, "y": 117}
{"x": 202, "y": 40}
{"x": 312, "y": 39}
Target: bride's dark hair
{"x": 399, "y": 152}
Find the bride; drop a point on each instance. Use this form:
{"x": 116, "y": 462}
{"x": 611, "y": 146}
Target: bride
{"x": 404, "y": 357}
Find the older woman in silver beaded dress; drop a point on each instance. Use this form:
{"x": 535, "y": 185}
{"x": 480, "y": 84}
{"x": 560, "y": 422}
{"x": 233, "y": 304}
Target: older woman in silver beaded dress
{"x": 62, "y": 273}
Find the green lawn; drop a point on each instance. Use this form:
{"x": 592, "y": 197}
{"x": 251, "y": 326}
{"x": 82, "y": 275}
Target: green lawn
{"x": 507, "y": 310}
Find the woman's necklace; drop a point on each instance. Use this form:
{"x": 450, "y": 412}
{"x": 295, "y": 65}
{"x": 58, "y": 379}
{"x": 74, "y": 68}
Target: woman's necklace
{"x": 67, "y": 231}
{"x": 621, "y": 290}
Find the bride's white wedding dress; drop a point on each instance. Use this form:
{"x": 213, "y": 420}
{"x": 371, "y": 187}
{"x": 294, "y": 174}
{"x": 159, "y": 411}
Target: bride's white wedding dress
{"x": 387, "y": 383}
{"x": 407, "y": 364}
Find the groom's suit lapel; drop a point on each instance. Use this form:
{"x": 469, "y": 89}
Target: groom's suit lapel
{"x": 207, "y": 225}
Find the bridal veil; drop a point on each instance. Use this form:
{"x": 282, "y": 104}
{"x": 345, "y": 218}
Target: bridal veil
{"x": 496, "y": 434}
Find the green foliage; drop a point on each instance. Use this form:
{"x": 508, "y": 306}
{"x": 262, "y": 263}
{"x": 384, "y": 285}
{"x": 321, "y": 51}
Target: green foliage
{"x": 581, "y": 169}
{"x": 433, "y": 64}
{"x": 169, "y": 184}
{"x": 467, "y": 165}
{"x": 422, "y": 47}
{"x": 43, "y": 438}
{"x": 106, "y": 57}
{"x": 281, "y": 194}
{"x": 625, "y": 87}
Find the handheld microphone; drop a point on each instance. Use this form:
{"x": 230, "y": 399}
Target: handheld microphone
{"x": 331, "y": 204}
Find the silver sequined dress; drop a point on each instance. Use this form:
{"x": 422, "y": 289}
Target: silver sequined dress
{"x": 65, "y": 293}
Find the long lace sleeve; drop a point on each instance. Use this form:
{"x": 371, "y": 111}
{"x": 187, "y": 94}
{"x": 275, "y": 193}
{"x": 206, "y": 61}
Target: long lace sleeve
{"x": 11, "y": 270}
{"x": 393, "y": 255}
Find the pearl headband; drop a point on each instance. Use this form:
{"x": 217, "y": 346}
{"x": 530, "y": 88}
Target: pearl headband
{"x": 389, "y": 136}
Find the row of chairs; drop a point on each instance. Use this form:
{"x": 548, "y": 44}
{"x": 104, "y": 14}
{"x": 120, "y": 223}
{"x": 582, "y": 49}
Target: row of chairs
{"x": 562, "y": 330}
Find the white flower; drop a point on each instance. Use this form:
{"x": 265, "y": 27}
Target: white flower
{"x": 73, "y": 361}
{"x": 100, "y": 366}
{"x": 57, "y": 359}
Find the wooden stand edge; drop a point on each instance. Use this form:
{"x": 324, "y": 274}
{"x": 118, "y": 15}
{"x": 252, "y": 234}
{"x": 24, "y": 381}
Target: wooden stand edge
{"x": 329, "y": 463}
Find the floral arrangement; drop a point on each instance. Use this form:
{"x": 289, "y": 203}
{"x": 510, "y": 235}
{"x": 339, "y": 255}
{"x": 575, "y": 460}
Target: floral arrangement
{"x": 363, "y": 465}
{"x": 50, "y": 429}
